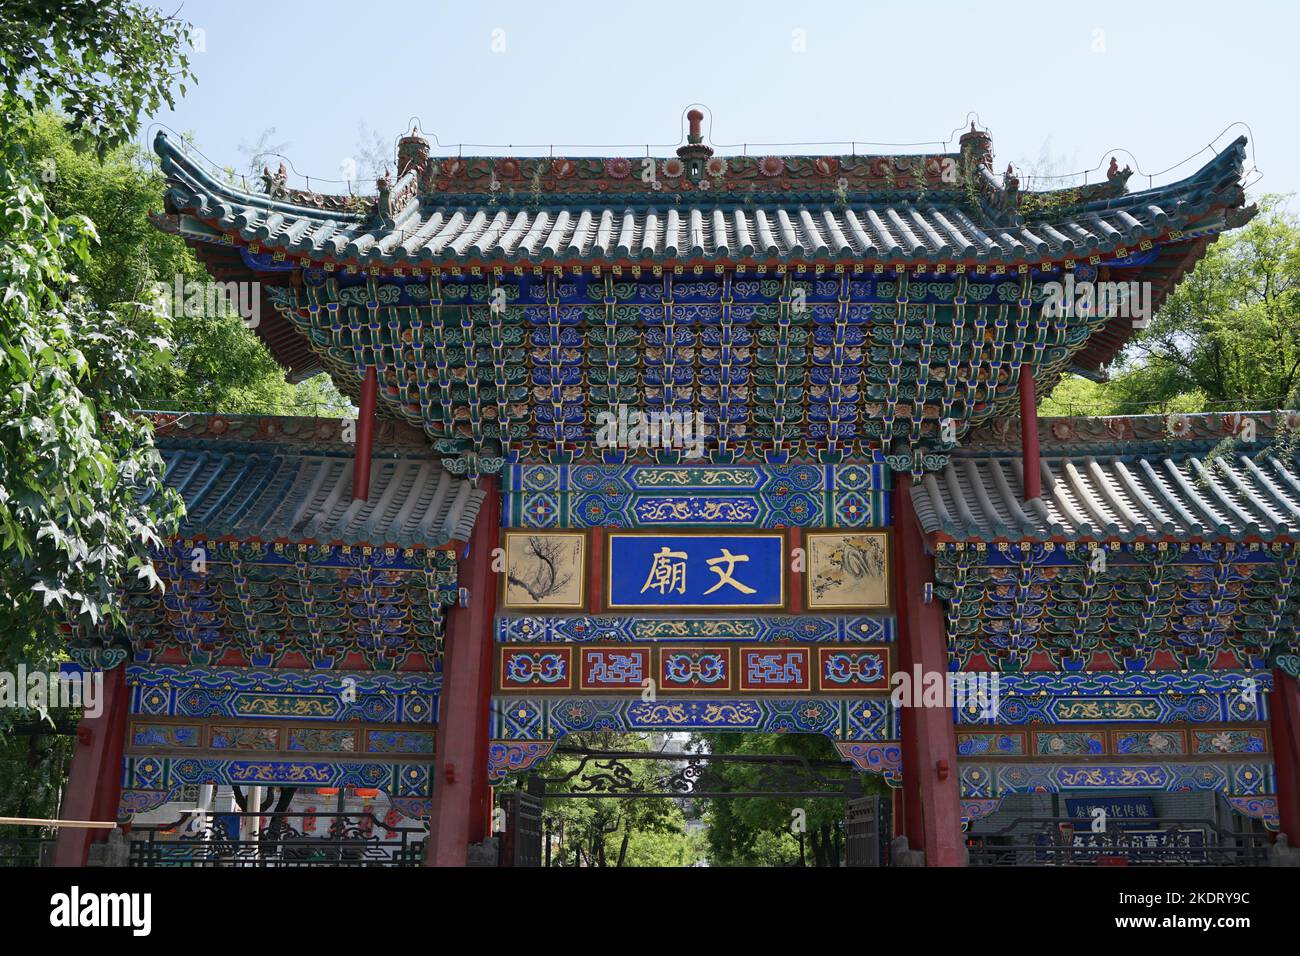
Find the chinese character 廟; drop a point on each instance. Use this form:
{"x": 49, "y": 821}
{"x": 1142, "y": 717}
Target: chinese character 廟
{"x": 667, "y": 572}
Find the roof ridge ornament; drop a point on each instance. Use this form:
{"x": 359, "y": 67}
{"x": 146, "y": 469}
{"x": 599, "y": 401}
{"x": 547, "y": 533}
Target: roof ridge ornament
{"x": 276, "y": 184}
{"x": 695, "y": 153}
{"x": 1011, "y": 194}
{"x": 412, "y": 152}
{"x": 976, "y": 145}
{"x": 384, "y": 201}
{"x": 1118, "y": 178}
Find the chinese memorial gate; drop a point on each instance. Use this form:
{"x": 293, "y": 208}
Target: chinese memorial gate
{"x": 514, "y": 546}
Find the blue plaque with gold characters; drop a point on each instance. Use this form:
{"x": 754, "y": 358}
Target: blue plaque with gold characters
{"x": 697, "y": 570}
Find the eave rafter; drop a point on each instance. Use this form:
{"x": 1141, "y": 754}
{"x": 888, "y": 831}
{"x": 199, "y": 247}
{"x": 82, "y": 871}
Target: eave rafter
{"x": 275, "y": 566}
{"x": 869, "y": 337}
{"x": 1144, "y": 551}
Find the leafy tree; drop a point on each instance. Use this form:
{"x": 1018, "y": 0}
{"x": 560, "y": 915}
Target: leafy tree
{"x": 615, "y": 832}
{"x": 759, "y": 831}
{"x": 1075, "y": 395}
{"x": 1228, "y": 337}
{"x": 1128, "y": 393}
{"x": 73, "y": 460}
{"x": 216, "y": 363}
{"x": 102, "y": 63}
{"x": 72, "y": 522}
{"x": 1229, "y": 331}
{"x": 83, "y": 342}
{"x": 33, "y": 769}
{"x": 665, "y": 849}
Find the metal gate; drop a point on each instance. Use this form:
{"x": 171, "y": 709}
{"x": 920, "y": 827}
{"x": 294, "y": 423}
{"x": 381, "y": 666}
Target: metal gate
{"x": 1148, "y": 841}
{"x": 867, "y": 831}
{"x": 608, "y": 775}
{"x": 522, "y": 841}
{"x": 199, "y": 839}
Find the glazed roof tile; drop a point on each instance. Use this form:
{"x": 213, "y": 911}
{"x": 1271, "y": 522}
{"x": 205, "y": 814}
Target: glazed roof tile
{"x": 883, "y": 225}
{"x": 1102, "y": 493}
{"x": 279, "y": 489}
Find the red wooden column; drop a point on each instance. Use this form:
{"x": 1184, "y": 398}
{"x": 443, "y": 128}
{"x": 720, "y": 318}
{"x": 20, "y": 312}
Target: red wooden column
{"x": 596, "y": 572}
{"x": 365, "y": 435}
{"x": 461, "y": 814}
{"x": 1284, "y": 710}
{"x": 795, "y": 538}
{"x": 931, "y": 801}
{"x": 95, "y": 781}
{"x": 1029, "y": 434}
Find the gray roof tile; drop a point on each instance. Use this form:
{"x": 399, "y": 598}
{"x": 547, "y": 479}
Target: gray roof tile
{"x": 896, "y": 228}
{"x": 270, "y": 490}
{"x": 1178, "y": 494}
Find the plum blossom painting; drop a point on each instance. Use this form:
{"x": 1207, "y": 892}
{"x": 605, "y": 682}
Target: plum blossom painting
{"x": 545, "y": 570}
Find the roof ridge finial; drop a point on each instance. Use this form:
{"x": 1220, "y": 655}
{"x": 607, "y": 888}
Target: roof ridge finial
{"x": 976, "y": 145}
{"x": 695, "y": 152}
{"x": 695, "y": 117}
{"x": 276, "y": 184}
{"x": 1115, "y": 174}
{"x": 412, "y": 152}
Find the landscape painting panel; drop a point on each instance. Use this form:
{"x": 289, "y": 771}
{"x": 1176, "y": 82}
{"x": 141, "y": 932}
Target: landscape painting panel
{"x": 848, "y": 570}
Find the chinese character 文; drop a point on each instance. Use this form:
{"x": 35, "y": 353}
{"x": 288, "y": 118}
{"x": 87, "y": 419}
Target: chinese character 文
{"x": 724, "y": 576}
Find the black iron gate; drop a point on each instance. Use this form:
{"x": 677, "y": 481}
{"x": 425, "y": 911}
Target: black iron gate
{"x": 867, "y": 831}
{"x": 202, "y": 839}
{"x": 522, "y": 841}
{"x": 1148, "y": 841}
{"x": 609, "y": 775}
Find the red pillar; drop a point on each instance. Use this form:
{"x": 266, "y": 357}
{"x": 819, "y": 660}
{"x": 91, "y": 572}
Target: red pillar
{"x": 365, "y": 435}
{"x": 910, "y": 820}
{"x": 461, "y": 814}
{"x": 931, "y": 800}
{"x": 596, "y": 572}
{"x": 1029, "y": 434}
{"x": 95, "y": 781}
{"x": 1284, "y": 710}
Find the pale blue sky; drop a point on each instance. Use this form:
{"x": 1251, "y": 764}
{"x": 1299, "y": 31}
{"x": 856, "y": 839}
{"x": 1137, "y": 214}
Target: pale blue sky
{"x": 1068, "y": 81}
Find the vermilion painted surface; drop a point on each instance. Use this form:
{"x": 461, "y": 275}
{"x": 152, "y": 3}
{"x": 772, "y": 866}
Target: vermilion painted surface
{"x": 461, "y": 814}
{"x": 1285, "y": 709}
{"x": 95, "y": 780}
{"x": 365, "y": 435}
{"x": 932, "y": 804}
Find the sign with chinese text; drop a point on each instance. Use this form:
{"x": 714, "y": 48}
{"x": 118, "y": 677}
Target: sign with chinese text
{"x": 701, "y": 571}
{"x": 1114, "y": 807}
